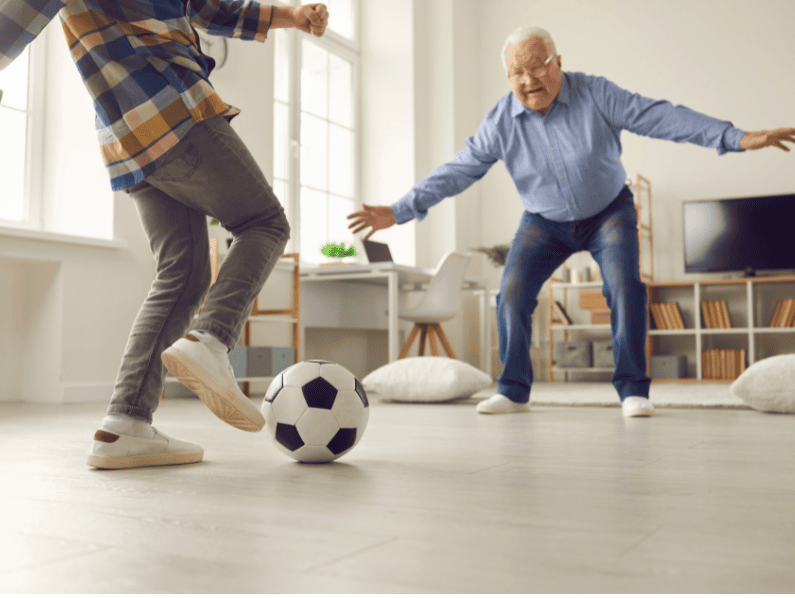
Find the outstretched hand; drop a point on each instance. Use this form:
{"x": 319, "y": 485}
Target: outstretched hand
{"x": 760, "y": 139}
{"x": 377, "y": 217}
{"x": 311, "y": 18}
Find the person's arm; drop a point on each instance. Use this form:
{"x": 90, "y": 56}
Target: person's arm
{"x": 22, "y": 21}
{"x": 470, "y": 164}
{"x": 251, "y": 20}
{"x": 309, "y": 18}
{"x": 660, "y": 119}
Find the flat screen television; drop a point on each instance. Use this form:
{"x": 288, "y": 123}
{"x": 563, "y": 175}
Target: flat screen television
{"x": 745, "y": 234}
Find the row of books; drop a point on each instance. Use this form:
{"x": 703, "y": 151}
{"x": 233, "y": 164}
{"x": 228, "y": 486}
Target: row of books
{"x": 722, "y": 364}
{"x": 667, "y": 316}
{"x": 784, "y": 314}
{"x": 716, "y": 314}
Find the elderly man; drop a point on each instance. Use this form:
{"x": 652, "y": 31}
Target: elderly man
{"x": 558, "y": 134}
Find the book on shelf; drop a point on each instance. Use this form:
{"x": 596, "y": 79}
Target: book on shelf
{"x": 722, "y": 364}
{"x": 789, "y": 314}
{"x": 716, "y": 314}
{"x": 783, "y": 314}
{"x": 656, "y": 316}
{"x": 776, "y": 314}
{"x": 667, "y": 316}
{"x": 677, "y": 313}
{"x": 724, "y": 310}
{"x": 561, "y": 311}
{"x": 669, "y": 321}
{"x": 706, "y": 315}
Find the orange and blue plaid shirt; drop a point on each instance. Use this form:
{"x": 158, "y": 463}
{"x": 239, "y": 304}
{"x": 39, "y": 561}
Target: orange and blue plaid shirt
{"x": 142, "y": 64}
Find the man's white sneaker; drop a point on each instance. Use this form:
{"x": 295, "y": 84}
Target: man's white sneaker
{"x": 502, "y": 404}
{"x": 637, "y": 407}
{"x": 118, "y": 451}
{"x": 192, "y": 362}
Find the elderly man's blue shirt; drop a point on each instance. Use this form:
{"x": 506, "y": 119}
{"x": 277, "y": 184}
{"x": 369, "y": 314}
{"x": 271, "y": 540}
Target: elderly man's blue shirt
{"x": 566, "y": 164}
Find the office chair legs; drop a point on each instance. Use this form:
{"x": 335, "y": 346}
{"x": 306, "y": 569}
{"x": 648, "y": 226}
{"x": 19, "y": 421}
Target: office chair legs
{"x": 431, "y": 331}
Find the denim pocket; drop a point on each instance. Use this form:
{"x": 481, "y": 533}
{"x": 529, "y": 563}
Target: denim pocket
{"x": 182, "y": 167}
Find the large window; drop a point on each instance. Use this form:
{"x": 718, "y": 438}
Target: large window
{"x": 13, "y": 140}
{"x": 315, "y": 133}
{"x": 52, "y": 177}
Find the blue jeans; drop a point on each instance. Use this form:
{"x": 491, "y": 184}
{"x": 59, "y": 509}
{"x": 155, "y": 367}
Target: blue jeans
{"x": 538, "y": 249}
{"x": 209, "y": 173}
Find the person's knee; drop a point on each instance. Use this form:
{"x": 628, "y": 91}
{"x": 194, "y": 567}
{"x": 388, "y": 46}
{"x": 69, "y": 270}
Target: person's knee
{"x": 514, "y": 295}
{"x": 625, "y": 289}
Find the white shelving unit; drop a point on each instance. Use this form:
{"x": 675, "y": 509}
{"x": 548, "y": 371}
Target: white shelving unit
{"x": 566, "y": 328}
{"x": 753, "y": 317}
{"x": 751, "y": 302}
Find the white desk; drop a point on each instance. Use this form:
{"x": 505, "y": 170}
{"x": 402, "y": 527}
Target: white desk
{"x": 397, "y": 278}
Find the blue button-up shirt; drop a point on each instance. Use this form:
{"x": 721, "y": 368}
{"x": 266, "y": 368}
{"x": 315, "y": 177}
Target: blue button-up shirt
{"x": 566, "y": 164}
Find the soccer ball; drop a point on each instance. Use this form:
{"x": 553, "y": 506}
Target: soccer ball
{"x": 315, "y": 411}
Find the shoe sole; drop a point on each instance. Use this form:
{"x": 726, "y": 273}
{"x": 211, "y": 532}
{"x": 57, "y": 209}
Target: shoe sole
{"x": 219, "y": 399}
{"x": 639, "y": 413}
{"x": 153, "y": 459}
{"x": 502, "y": 412}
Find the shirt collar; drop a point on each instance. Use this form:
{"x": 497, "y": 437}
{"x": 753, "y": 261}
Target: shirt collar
{"x": 518, "y": 108}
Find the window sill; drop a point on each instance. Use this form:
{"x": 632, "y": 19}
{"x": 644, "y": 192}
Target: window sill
{"x": 7, "y": 231}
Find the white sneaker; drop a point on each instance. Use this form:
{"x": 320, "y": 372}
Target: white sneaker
{"x": 118, "y": 451}
{"x": 192, "y": 362}
{"x": 637, "y": 407}
{"x": 502, "y": 404}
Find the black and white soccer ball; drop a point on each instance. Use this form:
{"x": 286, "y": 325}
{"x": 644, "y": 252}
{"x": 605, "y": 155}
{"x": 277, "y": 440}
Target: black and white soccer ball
{"x": 315, "y": 411}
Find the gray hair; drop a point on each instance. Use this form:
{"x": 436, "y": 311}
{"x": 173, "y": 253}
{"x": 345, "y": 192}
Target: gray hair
{"x": 522, "y": 34}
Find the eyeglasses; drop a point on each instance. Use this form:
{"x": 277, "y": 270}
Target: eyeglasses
{"x": 537, "y": 71}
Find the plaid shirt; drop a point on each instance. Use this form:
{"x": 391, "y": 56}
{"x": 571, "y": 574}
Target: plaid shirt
{"x": 141, "y": 62}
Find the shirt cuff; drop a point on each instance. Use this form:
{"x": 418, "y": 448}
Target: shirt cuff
{"x": 264, "y": 24}
{"x": 732, "y": 139}
{"x": 402, "y": 210}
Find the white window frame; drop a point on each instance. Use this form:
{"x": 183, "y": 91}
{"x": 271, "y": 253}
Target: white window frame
{"x": 32, "y": 194}
{"x": 348, "y": 50}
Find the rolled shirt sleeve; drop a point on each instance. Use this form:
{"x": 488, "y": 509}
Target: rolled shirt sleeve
{"x": 233, "y": 19}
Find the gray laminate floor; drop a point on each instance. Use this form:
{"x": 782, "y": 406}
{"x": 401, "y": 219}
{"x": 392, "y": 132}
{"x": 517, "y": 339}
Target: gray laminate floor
{"x": 436, "y": 498}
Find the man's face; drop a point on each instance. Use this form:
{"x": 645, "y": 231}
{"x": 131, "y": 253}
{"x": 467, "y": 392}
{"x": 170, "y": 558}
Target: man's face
{"x": 536, "y": 90}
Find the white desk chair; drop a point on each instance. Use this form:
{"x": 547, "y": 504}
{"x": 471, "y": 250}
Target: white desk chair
{"x": 442, "y": 302}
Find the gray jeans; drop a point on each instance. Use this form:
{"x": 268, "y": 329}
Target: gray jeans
{"x": 209, "y": 173}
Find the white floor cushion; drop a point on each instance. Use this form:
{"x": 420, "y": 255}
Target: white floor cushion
{"x": 426, "y": 380}
{"x": 768, "y": 385}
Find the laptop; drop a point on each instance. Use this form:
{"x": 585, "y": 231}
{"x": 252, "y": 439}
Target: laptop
{"x": 377, "y": 253}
